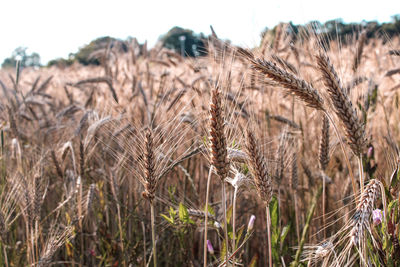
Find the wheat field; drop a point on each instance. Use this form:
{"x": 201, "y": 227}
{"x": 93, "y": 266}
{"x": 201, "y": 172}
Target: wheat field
{"x": 282, "y": 155}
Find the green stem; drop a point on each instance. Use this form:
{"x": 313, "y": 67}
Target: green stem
{"x": 121, "y": 242}
{"x": 234, "y": 217}
{"x": 206, "y": 216}
{"x": 153, "y": 233}
{"x": 296, "y": 208}
{"x": 233, "y": 221}
{"x": 361, "y": 171}
{"x": 225, "y": 223}
{"x": 5, "y": 256}
{"x": 269, "y": 236}
{"x": 3, "y": 165}
{"x": 306, "y": 227}
{"x": 323, "y": 203}
{"x": 144, "y": 245}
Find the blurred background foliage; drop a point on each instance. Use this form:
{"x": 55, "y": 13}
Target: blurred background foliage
{"x": 191, "y": 44}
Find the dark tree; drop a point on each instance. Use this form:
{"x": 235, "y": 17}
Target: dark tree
{"x": 32, "y": 60}
{"x": 86, "y": 54}
{"x": 184, "y": 41}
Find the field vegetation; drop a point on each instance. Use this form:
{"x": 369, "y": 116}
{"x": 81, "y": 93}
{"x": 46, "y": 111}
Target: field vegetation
{"x": 282, "y": 155}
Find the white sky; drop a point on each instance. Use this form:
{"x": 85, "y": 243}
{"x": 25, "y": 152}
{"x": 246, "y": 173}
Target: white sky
{"x": 55, "y": 28}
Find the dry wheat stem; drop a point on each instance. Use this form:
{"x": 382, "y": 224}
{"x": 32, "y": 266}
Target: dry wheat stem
{"x": 294, "y": 182}
{"x": 353, "y": 180}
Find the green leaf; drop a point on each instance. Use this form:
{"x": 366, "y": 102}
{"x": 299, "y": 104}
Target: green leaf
{"x": 392, "y": 205}
{"x": 394, "y": 178}
{"x": 223, "y": 252}
{"x": 253, "y": 262}
{"x": 245, "y": 169}
{"x": 229, "y": 214}
{"x": 284, "y": 233}
{"x": 239, "y": 234}
{"x": 168, "y": 219}
{"x": 172, "y": 212}
{"x": 171, "y": 193}
{"x": 205, "y": 140}
{"x": 183, "y": 213}
{"x": 210, "y": 210}
{"x": 230, "y": 231}
{"x": 274, "y": 210}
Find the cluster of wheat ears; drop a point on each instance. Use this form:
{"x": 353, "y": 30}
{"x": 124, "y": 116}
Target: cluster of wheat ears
{"x": 153, "y": 158}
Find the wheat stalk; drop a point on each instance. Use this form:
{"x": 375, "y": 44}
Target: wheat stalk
{"x": 354, "y": 129}
{"x": 359, "y": 50}
{"x": 219, "y": 153}
{"x": 323, "y": 162}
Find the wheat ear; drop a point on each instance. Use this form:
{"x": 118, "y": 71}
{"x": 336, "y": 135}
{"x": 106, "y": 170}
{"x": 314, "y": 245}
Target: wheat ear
{"x": 291, "y": 82}
{"x": 354, "y": 129}
{"x": 359, "y": 50}
{"x": 219, "y": 153}
{"x": 323, "y": 162}
{"x": 262, "y": 179}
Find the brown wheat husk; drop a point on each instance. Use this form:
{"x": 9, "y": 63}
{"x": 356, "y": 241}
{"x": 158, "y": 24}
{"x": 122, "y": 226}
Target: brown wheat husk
{"x": 354, "y": 129}
{"x": 292, "y": 83}
{"x": 258, "y": 167}
{"x": 219, "y": 154}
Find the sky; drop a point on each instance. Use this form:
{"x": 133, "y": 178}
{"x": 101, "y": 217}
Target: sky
{"x": 55, "y": 28}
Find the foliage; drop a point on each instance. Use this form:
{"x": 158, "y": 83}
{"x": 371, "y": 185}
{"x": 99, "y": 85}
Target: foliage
{"x": 193, "y": 44}
{"x": 70, "y": 158}
{"x": 85, "y": 54}
{"x": 337, "y": 29}
{"x": 26, "y": 60}
{"x": 60, "y": 62}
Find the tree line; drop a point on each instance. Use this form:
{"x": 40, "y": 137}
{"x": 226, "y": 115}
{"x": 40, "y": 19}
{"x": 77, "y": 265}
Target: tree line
{"x": 191, "y": 44}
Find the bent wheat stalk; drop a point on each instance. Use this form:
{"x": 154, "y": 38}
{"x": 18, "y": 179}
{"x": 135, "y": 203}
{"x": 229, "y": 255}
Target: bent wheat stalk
{"x": 354, "y": 129}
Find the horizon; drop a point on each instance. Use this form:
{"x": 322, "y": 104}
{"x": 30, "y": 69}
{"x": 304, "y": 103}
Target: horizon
{"x": 56, "y": 29}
